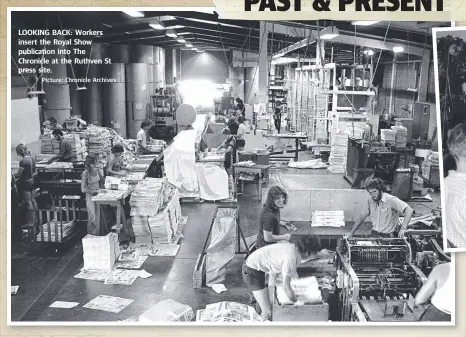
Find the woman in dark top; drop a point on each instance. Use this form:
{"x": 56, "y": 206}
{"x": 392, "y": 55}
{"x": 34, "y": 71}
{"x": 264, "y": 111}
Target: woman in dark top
{"x": 277, "y": 116}
{"x": 228, "y": 145}
{"x": 240, "y": 108}
{"x": 25, "y": 176}
{"x": 233, "y": 124}
{"x": 115, "y": 162}
{"x": 269, "y": 220}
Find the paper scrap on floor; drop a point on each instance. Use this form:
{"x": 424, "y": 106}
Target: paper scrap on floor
{"x": 64, "y": 304}
{"x": 123, "y": 277}
{"x": 164, "y": 250}
{"x": 14, "y": 290}
{"x": 144, "y": 274}
{"x": 308, "y": 164}
{"x": 131, "y": 264}
{"x": 306, "y": 290}
{"x": 93, "y": 275}
{"x": 167, "y": 311}
{"x": 108, "y": 303}
{"x": 218, "y": 288}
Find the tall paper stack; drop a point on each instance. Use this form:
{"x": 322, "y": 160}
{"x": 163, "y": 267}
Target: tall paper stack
{"x": 328, "y": 219}
{"x": 401, "y": 135}
{"x": 100, "y": 252}
{"x": 388, "y": 136}
{"x": 98, "y": 144}
{"x": 432, "y": 160}
{"x": 164, "y": 224}
{"x": 49, "y": 145}
{"x": 77, "y": 150}
{"x": 338, "y": 153}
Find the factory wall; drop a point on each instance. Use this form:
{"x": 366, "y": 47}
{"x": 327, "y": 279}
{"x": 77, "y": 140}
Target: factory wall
{"x": 209, "y": 65}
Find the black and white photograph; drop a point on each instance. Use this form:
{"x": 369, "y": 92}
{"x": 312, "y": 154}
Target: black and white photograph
{"x": 172, "y": 167}
{"x": 450, "y": 60}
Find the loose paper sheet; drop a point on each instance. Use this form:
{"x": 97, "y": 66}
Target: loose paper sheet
{"x": 108, "y": 303}
{"x": 64, "y": 305}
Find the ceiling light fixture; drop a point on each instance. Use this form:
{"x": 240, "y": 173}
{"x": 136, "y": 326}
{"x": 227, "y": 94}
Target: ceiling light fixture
{"x": 157, "y": 25}
{"x": 127, "y": 33}
{"x": 398, "y": 49}
{"x": 171, "y": 33}
{"x": 369, "y": 52}
{"x": 104, "y": 24}
{"x": 36, "y": 92}
{"x": 189, "y": 45}
{"x": 364, "y": 23}
{"x": 181, "y": 40}
{"x": 329, "y": 33}
{"x": 134, "y": 14}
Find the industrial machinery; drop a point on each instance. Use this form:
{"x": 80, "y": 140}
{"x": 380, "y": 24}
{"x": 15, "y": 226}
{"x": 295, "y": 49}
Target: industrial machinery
{"x": 377, "y": 280}
{"x": 163, "y": 113}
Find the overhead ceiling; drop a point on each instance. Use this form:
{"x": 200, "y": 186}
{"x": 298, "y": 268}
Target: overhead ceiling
{"x": 207, "y": 31}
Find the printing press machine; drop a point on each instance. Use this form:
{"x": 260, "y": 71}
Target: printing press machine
{"x": 377, "y": 280}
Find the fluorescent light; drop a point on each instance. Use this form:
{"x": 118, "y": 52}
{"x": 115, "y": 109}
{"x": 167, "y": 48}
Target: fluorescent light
{"x": 36, "y": 92}
{"x": 329, "y": 33}
{"x": 189, "y": 45}
{"x": 171, "y": 33}
{"x": 398, "y": 49}
{"x": 200, "y": 50}
{"x": 181, "y": 40}
{"x": 364, "y": 23}
{"x": 278, "y": 55}
{"x": 134, "y": 14}
{"x": 369, "y": 52}
{"x": 157, "y": 26}
{"x": 104, "y": 24}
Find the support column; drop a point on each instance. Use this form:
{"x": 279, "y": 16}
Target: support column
{"x": 424, "y": 77}
{"x": 320, "y": 52}
{"x": 392, "y": 84}
{"x": 174, "y": 52}
{"x": 263, "y": 63}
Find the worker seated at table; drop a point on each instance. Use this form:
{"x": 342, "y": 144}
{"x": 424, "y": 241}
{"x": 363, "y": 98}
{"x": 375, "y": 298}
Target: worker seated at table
{"x": 25, "y": 178}
{"x": 269, "y": 219}
{"x": 115, "y": 162}
{"x": 143, "y": 138}
{"x": 440, "y": 290}
{"x": 91, "y": 181}
{"x": 240, "y": 108}
{"x": 455, "y": 182}
{"x": 384, "y": 210}
{"x": 281, "y": 258}
{"x": 64, "y": 145}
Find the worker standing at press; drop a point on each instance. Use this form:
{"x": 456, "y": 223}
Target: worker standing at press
{"x": 281, "y": 258}
{"x": 384, "y": 211}
{"x": 270, "y": 219}
{"x": 91, "y": 181}
{"x": 440, "y": 289}
{"x": 25, "y": 176}
{"x": 64, "y": 145}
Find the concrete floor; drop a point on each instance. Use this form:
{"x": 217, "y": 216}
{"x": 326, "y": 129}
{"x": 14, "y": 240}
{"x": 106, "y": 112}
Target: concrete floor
{"x": 44, "y": 278}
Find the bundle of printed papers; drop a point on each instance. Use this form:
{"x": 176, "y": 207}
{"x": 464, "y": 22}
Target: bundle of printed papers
{"x": 338, "y": 153}
{"x": 100, "y": 252}
{"x": 306, "y": 290}
{"x": 56, "y": 235}
{"x": 228, "y": 312}
{"x": 148, "y": 196}
{"x": 167, "y": 311}
{"x": 328, "y": 219}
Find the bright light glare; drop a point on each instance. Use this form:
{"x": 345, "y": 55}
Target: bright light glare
{"x": 199, "y": 93}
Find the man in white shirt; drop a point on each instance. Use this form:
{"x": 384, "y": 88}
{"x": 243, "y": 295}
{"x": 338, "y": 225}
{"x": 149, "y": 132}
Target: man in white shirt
{"x": 281, "y": 258}
{"x": 454, "y": 185}
{"x": 384, "y": 211}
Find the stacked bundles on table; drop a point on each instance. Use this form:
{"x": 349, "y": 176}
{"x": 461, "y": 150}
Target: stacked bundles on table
{"x": 432, "y": 160}
{"x": 100, "y": 252}
{"x": 328, "y": 219}
{"x": 98, "y": 144}
{"x": 56, "y": 235}
{"x": 14, "y": 165}
{"x": 42, "y": 156}
{"x": 77, "y": 149}
{"x": 164, "y": 225}
{"x": 338, "y": 153}
{"x": 60, "y": 165}
{"x": 49, "y": 145}
{"x": 388, "y": 136}
{"x": 401, "y": 135}
{"x": 228, "y": 312}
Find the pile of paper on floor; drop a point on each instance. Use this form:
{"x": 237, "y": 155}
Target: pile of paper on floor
{"x": 328, "y": 219}
{"x": 228, "y": 312}
{"x": 64, "y": 229}
{"x": 401, "y": 135}
{"x": 338, "y": 153}
{"x": 388, "y": 136}
{"x": 167, "y": 311}
{"x": 306, "y": 290}
{"x": 164, "y": 224}
{"x": 100, "y": 252}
